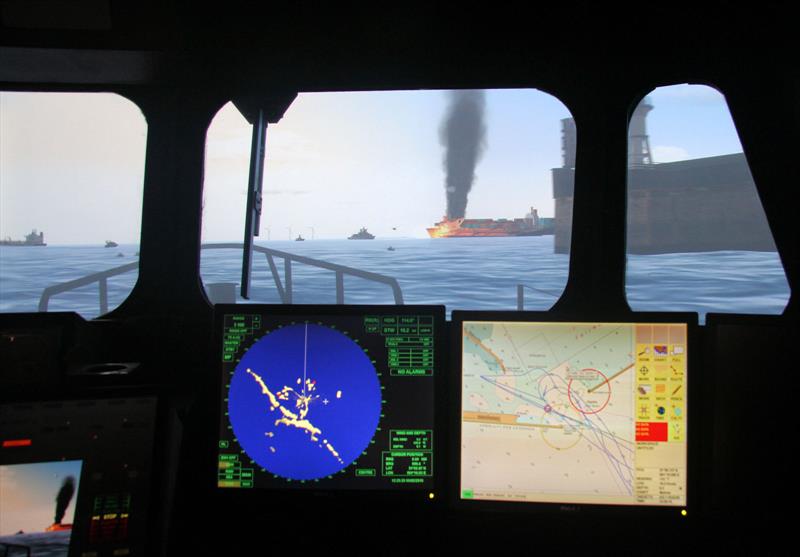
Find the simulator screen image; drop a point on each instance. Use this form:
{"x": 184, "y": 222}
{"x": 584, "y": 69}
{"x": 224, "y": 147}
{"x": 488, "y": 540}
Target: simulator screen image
{"x": 37, "y": 507}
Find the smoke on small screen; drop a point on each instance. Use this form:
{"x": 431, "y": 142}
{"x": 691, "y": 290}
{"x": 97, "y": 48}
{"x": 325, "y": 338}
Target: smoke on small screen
{"x": 63, "y": 498}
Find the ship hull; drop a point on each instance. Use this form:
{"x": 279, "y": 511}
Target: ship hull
{"x": 486, "y": 228}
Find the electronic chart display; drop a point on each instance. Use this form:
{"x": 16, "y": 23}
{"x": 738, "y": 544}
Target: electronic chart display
{"x": 328, "y": 397}
{"x": 574, "y": 412}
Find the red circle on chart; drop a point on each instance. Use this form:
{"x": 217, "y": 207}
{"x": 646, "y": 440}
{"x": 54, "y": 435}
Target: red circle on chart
{"x": 608, "y": 397}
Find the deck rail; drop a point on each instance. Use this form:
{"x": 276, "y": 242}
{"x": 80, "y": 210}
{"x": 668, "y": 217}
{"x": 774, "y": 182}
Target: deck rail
{"x": 521, "y": 294}
{"x": 101, "y": 278}
{"x": 285, "y": 287}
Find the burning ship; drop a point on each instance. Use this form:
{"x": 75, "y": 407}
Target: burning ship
{"x": 463, "y": 136}
{"x": 531, "y": 225}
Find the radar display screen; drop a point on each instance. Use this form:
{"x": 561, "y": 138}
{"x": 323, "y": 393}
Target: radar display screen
{"x": 574, "y": 412}
{"x": 328, "y": 397}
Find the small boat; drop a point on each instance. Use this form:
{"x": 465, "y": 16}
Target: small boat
{"x": 390, "y": 248}
{"x": 299, "y": 238}
{"x": 110, "y": 244}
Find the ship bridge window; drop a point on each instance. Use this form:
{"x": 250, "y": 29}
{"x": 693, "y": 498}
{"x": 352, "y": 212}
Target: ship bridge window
{"x": 71, "y": 182}
{"x": 697, "y": 236}
{"x": 435, "y": 197}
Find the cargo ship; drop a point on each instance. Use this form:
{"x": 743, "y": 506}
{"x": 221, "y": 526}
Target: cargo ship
{"x": 32, "y": 239}
{"x": 531, "y": 225}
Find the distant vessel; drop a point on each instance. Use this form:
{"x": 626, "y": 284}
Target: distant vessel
{"x": 531, "y": 225}
{"x": 361, "y": 235}
{"x": 110, "y": 244}
{"x": 57, "y": 527}
{"x": 32, "y": 239}
{"x": 299, "y": 238}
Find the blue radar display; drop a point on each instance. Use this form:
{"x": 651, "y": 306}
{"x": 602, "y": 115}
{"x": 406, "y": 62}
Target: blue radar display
{"x": 304, "y": 401}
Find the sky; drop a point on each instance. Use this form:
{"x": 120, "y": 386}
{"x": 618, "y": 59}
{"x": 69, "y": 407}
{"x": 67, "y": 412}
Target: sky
{"x": 28, "y": 493}
{"x": 72, "y": 165}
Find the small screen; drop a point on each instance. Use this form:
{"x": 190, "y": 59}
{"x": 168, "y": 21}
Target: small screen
{"x": 574, "y": 413}
{"x": 331, "y": 399}
{"x": 37, "y": 507}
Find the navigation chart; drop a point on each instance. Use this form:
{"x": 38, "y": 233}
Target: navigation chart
{"x": 304, "y": 401}
{"x": 574, "y": 412}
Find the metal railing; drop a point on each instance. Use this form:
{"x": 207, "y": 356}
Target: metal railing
{"x": 285, "y": 287}
{"x": 18, "y": 550}
{"x": 100, "y": 278}
{"x": 521, "y": 294}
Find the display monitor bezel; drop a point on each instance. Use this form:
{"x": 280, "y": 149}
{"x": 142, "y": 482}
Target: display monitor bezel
{"x": 78, "y": 522}
{"x": 295, "y": 493}
{"x": 578, "y": 509}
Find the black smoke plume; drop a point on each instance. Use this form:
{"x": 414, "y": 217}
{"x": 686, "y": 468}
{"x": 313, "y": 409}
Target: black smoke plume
{"x": 63, "y": 498}
{"x": 463, "y": 136}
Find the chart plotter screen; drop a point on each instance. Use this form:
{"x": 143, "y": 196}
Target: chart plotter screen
{"x": 574, "y": 413}
{"x": 336, "y": 398}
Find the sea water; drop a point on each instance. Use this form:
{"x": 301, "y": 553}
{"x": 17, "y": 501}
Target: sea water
{"x": 40, "y": 544}
{"x": 461, "y": 273}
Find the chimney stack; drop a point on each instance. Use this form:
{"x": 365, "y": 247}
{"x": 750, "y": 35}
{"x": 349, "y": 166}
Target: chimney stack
{"x": 638, "y": 143}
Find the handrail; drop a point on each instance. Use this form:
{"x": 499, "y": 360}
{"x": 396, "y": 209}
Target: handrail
{"x": 521, "y": 294}
{"x": 101, "y": 278}
{"x": 15, "y": 547}
{"x": 285, "y": 289}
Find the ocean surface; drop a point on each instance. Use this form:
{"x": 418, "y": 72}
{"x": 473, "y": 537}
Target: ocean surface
{"x": 462, "y": 273}
{"x": 41, "y": 544}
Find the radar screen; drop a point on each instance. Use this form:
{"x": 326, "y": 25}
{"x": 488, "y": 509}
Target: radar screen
{"x": 574, "y": 412}
{"x": 328, "y": 397}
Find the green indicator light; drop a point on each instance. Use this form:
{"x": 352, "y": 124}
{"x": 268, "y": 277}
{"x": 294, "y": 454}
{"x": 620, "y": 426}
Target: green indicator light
{"x": 467, "y": 494}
